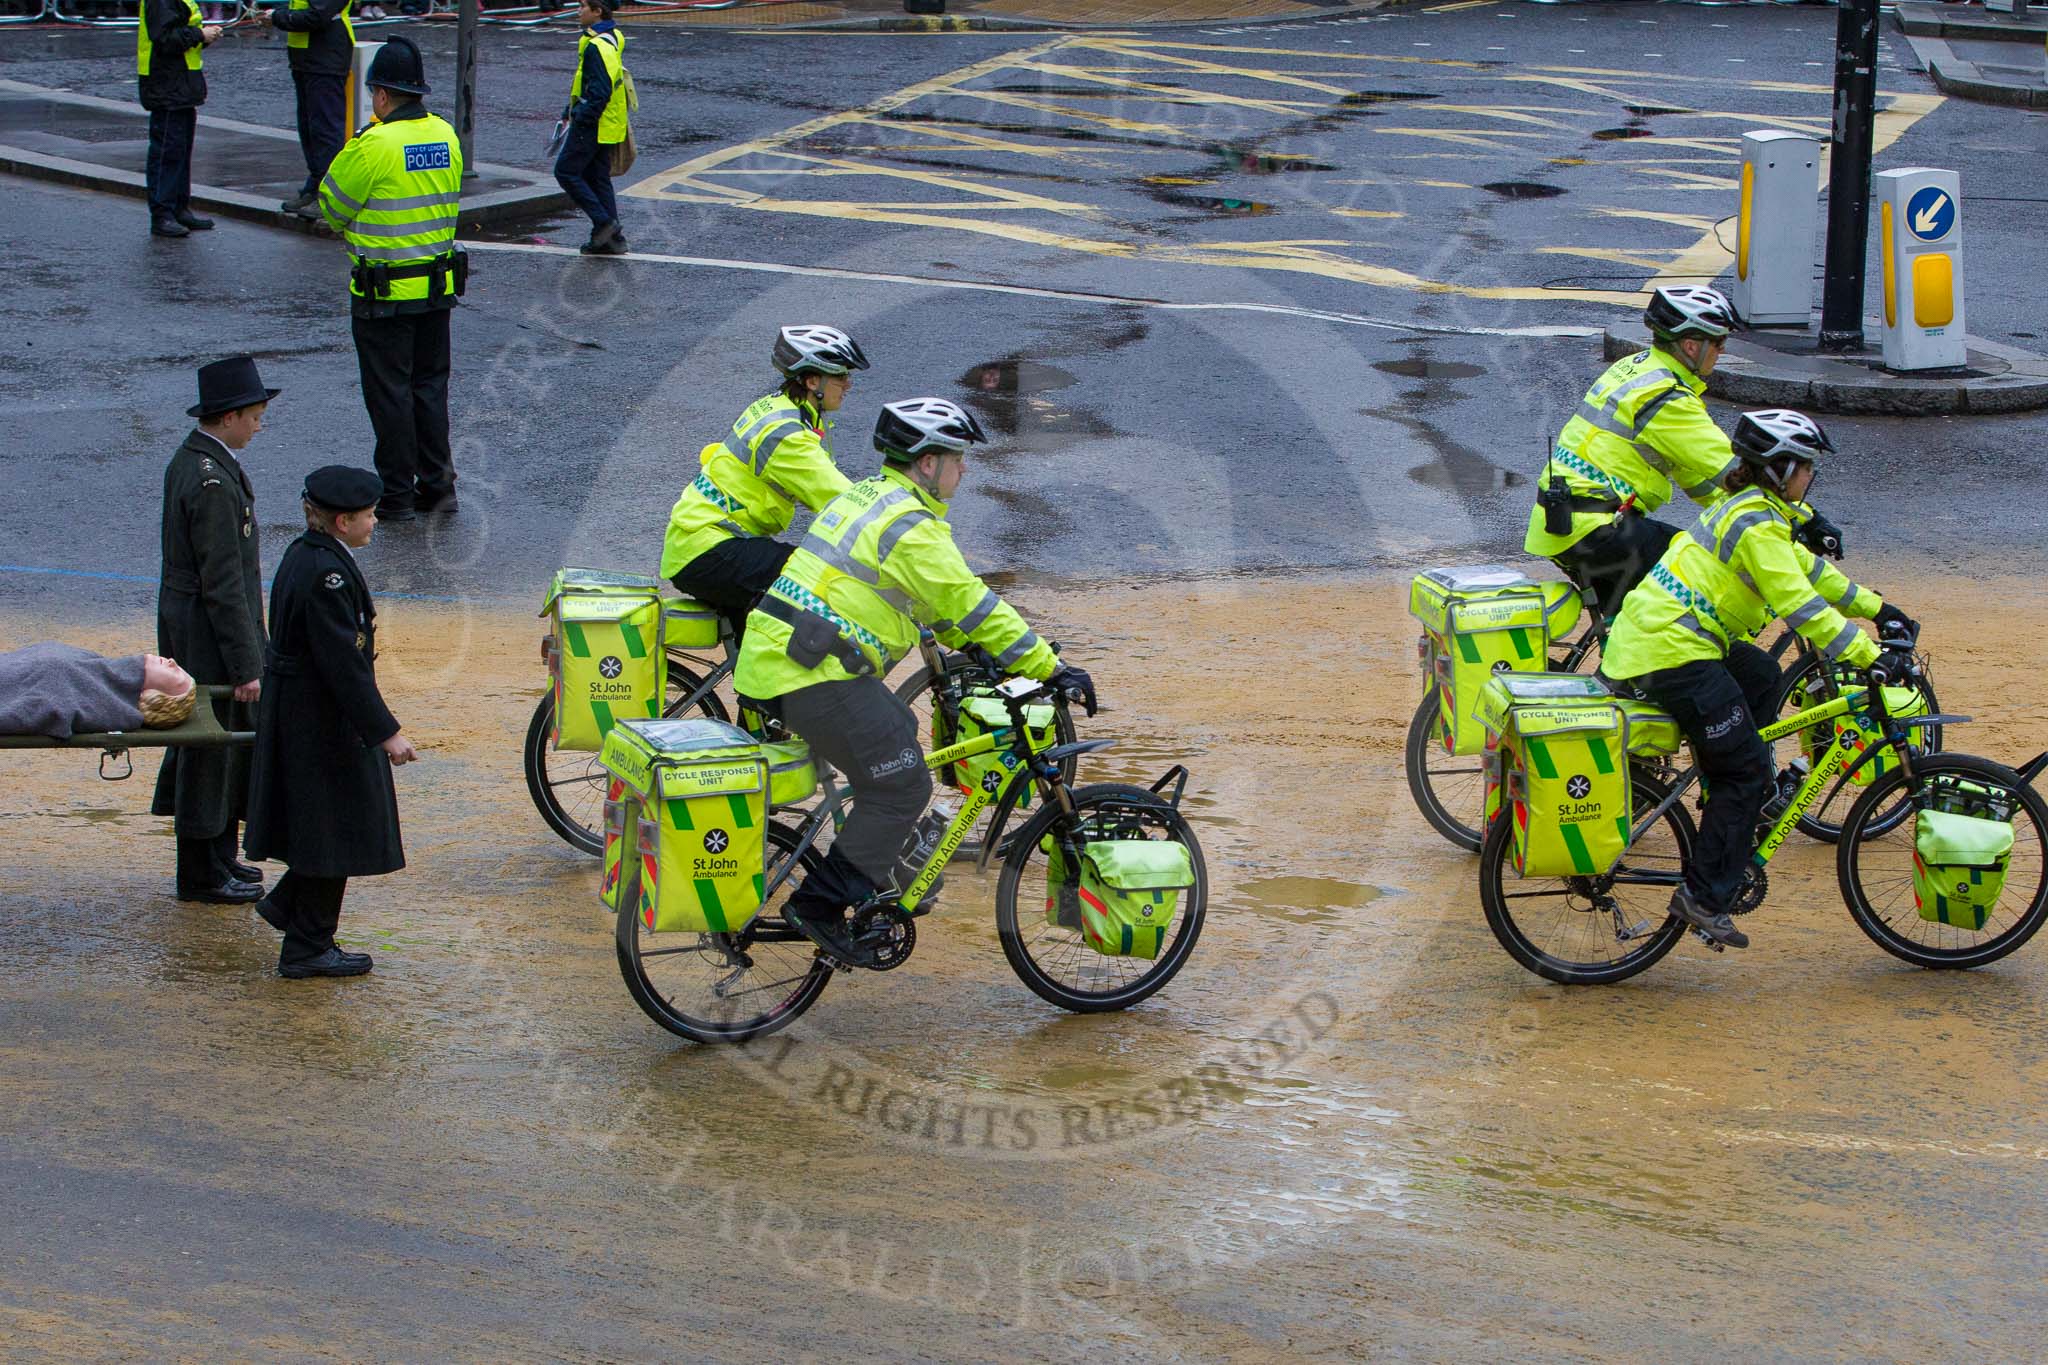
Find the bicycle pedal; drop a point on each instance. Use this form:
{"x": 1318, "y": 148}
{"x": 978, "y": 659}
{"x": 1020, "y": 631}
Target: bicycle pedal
{"x": 1710, "y": 941}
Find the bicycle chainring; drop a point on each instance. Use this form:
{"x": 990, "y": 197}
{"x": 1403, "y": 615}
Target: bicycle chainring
{"x": 1755, "y": 886}
{"x": 887, "y": 933}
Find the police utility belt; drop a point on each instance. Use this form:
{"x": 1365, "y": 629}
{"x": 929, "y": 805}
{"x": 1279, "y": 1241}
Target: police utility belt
{"x": 814, "y": 638}
{"x": 373, "y": 279}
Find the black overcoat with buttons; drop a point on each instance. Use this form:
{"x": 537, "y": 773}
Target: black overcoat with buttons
{"x": 321, "y": 796}
{"x": 209, "y": 617}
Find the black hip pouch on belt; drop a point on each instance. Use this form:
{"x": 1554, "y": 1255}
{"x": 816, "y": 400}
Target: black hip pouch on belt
{"x": 812, "y": 639}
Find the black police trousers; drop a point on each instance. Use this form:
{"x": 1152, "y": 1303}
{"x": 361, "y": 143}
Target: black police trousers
{"x": 312, "y": 911}
{"x": 1717, "y": 703}
{"x": 859, "y": 727}
{"x": 167, "y": 166}
{"x": 1607, "y": 563}
{"x": 322, "y": 121}
{"x": 731, "y": 574}
{"x": 403, "y": 362}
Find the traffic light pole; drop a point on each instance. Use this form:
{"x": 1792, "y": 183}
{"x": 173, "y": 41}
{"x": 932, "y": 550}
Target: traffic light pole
{"x": 1841, "y": 307}
{"x": 465, "y": 83}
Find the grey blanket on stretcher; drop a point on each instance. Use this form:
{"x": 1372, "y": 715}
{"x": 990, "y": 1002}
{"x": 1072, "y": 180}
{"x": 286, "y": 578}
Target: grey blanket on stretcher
{"x": 58, "y": 691}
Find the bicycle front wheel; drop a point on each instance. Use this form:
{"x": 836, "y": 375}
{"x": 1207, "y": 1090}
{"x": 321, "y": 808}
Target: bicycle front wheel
{"x": 727, "y": 988}
{"x": 1054, "y": 958}
{"x": 1875, "y": 866}
{"x": 568, "y": 785}
{"x": 1591, "y": 931}
{"x": 1449, "y": 790}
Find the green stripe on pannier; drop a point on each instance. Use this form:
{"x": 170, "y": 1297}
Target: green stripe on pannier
{"x": 636, "y": 643}
{"x": 573, "y": 633}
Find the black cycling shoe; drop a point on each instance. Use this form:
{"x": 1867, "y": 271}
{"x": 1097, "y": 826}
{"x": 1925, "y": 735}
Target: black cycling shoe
{"x": 832, "y": 934}
{"x": 1718, "y": 927}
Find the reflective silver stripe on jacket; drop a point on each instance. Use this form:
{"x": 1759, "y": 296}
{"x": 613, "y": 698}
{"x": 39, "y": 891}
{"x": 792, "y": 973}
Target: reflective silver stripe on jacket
{"x": 1847, "y": 595}
{"x": 838, "y": 552}
{"x": 1804, "y": 612}
{"x": 1813, "y": 575}
{"x": 772, "y": 440}
{"x": 766, "y": 419}
{"x": 1732, "y": 537}
{"x": 1836, "y": 647}
{"x": 328, "y": 187}
{"x": 981, "y": 612}
{"x": 1018, "y": 650}
{"x": 416, "y": 201}
{"x": 426, "y": 251}
{"x": 418, "y": 228}
{"x": 896, "y": 530}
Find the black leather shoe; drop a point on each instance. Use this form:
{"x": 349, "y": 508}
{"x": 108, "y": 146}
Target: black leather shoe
{"x": 333, "y": 962}
{"x": 438, "y": 507}
{"x": 168, "y": 227}
{"x": 242, "y": 872}
{"x": 192, "y": 222}
{"x": 394, "y": 512}
{"x": 272, "y": 914}
{"x": 230, "y": 892}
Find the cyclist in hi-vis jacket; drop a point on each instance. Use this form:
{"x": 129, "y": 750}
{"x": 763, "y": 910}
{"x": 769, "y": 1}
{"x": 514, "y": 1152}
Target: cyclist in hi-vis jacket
{"x": 721, "y": 547}
{"x": 875, "y": 566}
{"x": 1641, "y": 433}
{"x": 1682, "y": 642}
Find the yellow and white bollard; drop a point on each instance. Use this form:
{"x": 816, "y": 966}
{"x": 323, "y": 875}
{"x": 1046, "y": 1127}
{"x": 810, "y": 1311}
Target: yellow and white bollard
{"x": 1774, "y": 229}
{"x": 1920, "y": 228}
{"x": 355, "y": 109}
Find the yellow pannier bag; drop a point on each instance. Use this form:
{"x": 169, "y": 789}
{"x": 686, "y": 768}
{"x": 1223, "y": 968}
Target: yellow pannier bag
{"x": 1129, "y": 890}
{"x": 699, "y": 791}
{"x": 686, "y": 624}
{"x": 1479, "y": 620}
{"x": 1652, "y": 731}
{"x": 792, "y": 774}
{"x": 983, "y": 710}
{"x": 1557, "y": 758}
{"x": 621, "y": 844}
{"x": 604, "y": 650}
{"x": 1858, "y": 731}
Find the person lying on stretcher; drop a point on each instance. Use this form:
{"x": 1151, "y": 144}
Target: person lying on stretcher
{"x": 57, "y": 691}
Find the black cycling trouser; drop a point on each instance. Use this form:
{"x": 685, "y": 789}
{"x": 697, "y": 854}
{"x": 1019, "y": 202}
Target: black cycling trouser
{"x": 731, "y": 574}
{"x": 1717, "y": 703}
{"x": 1608, "y": 562}
{"x": 859, "y": 727}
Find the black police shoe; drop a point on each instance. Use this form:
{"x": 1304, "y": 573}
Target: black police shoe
{"x": 392, "y": 512}
{"x": 272, "y": 912}
{"x": 333, "y": 962}
{"x": 1718, "y": 927}
{"x": 192, "y": 222}
{"x": 168, "y": 227}
{"x": 243, "y": 872}
{"x": 440, "y": 507}
{"x": 229, "y": 892}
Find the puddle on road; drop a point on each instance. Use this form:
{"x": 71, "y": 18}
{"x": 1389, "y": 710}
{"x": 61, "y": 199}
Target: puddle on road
{"x": 1304, "y": 900}
{"x": 1252, "y": 161}
{"x": 1466, "y": 476}
{"x": 1523, "y": 189}
{"x": 1622, "y": 134}
{"x": 1368, "y": 97}
{"x": 1224, "y": 208}
{"x": 1429, "y": 369}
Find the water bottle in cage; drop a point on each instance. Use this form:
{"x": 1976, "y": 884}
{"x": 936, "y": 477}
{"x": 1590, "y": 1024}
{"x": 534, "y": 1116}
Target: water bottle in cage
{"x": 918, "y": 848}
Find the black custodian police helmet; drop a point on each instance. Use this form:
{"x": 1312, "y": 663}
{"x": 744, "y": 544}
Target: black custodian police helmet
{"x": 397, "y": 66}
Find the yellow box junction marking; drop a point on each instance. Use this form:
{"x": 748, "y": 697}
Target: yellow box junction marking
{"x": 1131, "y": 89}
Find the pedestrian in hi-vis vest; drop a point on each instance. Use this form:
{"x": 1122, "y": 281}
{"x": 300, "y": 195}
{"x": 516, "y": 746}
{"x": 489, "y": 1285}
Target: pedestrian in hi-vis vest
{"x": 321, "y": 797}
{"x": 597, "y": 115}
{"x": 320, "y": 45}
{"x": 168, "y": 37}
{"x": 394, "y": 193}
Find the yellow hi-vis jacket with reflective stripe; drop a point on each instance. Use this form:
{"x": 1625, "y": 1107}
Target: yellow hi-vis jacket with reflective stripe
{"x": 1722, "y": 580}
{"x": 611, "y": 50}
{"x": 394, "y": 192}
{"x": 144, "y": 48}
{"x": 877, "y": 562}
{"x": 303, "y": 38}
{"x": 749, "y": 483}
{"x": 1639, "y": 430}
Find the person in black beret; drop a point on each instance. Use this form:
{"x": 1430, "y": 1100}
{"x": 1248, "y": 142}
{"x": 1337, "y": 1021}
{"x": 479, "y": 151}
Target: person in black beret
{"x": 322, "y": 800}
{"x": 209, "y": 617}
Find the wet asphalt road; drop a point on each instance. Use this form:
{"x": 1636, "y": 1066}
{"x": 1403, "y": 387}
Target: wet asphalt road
{"x": 1502, "y": 148}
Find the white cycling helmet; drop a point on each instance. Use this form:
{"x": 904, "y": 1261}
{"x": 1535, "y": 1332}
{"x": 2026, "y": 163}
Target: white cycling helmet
{"x": 1678, "y": 312}
{"x": 924, "y": 426}
{"x": 817, "y": 350}
{"x": 1773, "y": 440}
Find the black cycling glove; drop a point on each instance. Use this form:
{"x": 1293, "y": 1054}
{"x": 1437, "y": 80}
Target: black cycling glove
{"x": 1895, "y": 625}
{"x": 1077, "y": 685}
{"x": 1821, "y": 536}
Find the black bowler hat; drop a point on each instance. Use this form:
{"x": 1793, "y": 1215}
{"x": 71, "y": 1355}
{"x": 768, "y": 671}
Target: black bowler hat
{"x": 343, "y": 488}
{"x": 229, "y": 384}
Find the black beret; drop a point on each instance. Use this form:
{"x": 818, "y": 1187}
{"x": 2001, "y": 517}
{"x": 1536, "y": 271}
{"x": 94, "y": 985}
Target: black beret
{"x": 343, "y": 488}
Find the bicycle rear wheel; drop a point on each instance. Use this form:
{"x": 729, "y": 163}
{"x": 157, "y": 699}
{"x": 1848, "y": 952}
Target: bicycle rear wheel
{"x": 568, "y": 785}
{"x": 1055, "y": 961}
{"x": 1875, "y": 867}
{"x": 727, "y": 988}
{"x": 1809, "y": 683}
{"x": 1583, "y": 931}
{"x": 1449, "y": 790}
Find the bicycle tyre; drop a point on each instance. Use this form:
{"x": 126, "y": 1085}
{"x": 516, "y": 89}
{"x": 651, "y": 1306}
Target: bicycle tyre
{"x": 1877, "y": 920}
{"x": 1815, "y": 823}
{"x": 1495, "y": 877}
{"x": 1124, "y": 991}
{"x": 702, "y": 1028}
{"x": 568, "y": 786}
{"x": 1424, "y": 783}
{"x": 919, "y": 683}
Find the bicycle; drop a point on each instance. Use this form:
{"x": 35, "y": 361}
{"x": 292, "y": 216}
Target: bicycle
{"x": 1450, "y": 789}
{"x": 730, "y": 987}
{"x": 1601, "y": 929}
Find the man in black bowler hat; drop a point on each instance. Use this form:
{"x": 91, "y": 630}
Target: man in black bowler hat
{"x": 209, "y": 617}
{"x": 322, "y": 800}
